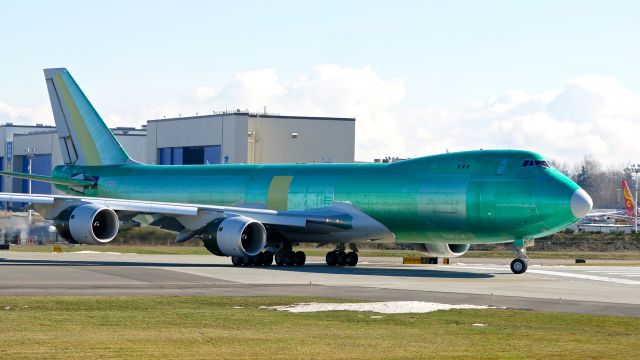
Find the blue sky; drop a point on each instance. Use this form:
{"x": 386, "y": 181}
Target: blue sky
{"x": 132, "y": 56}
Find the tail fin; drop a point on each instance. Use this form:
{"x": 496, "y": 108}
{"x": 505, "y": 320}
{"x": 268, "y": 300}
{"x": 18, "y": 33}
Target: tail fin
{"x": 629, "y": 204}
{"x": 84, "y": 138}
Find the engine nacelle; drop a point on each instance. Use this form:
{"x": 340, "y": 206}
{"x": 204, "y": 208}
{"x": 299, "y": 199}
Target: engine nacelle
{"x": 234, "y": 236}
{"x": 442, "y": 250}
{"x": 87, "y": 224}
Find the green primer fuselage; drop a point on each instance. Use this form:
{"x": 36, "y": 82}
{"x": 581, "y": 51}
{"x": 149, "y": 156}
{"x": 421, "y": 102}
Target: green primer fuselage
{"x": 466, "y": 197}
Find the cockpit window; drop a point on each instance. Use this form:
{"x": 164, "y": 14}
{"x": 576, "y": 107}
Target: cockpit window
{"x": 541, "y": 163}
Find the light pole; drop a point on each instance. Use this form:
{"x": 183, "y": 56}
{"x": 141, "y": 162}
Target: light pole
{"x": 29, "y": 153}
{"x": 636, "y": 169}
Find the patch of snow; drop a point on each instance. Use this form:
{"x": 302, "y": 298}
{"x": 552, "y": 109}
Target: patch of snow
{"x": 386, "y": 307}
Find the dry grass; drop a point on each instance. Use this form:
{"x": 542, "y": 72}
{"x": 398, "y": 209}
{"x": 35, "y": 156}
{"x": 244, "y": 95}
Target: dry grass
{"x": 211, "y": 327}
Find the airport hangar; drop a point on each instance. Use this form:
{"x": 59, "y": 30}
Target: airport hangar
{"x": 220, "y": 138}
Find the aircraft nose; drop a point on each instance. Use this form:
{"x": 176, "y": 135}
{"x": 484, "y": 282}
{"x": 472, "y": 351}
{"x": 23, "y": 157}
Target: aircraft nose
{"x": 581, "y": 203}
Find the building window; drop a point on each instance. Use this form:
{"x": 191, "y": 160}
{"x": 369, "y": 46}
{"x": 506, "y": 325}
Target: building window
{"x": 164, "y": 156}
{"x": 212, "y": 154}
{"x": 190, "y": 155}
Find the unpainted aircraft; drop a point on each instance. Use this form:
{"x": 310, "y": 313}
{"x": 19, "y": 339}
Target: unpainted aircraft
{"x": 440, "y": 204}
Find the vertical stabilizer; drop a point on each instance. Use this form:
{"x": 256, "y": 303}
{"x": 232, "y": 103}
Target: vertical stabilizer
{"x": 629, "y": 204}
{"x": 84, "y": 138}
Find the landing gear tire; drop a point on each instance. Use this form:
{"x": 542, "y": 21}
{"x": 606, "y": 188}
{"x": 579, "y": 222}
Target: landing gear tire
{"x": 266, "y": 258}
{"x": 279, "y": 259}
{"x": 248, "y": 261}
{"x": 290, "y": 258}
{"x": 341, "y": 258}
{"x": 236, "y": 260}
{"x": 518, "y": 266}
{"x": 331, "y": 258}
{"x": 352, "y": 258}
{"x": 300, "y": 258}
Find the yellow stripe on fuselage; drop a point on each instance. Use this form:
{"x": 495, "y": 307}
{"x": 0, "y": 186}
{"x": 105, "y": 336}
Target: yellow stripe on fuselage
{"x": 279, "y": 192}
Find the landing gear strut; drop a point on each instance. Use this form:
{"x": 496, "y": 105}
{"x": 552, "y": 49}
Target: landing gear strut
{"x": 519, "y": 264}
{"x": 341, "y": 258}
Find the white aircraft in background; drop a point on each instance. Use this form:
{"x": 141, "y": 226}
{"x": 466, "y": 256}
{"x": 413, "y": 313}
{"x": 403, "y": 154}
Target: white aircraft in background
{"x": 622, "y": 218}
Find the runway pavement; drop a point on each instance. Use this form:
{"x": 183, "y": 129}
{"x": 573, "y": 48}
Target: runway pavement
{"x": 547, "y": 287}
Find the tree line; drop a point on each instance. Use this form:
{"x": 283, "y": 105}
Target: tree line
{"x": 604, "y": 184}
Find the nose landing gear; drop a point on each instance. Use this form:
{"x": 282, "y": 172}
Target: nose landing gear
{"x": 519, "y": 264}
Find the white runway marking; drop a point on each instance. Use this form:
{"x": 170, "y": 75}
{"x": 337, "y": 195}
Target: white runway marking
{"x": 628, "y": 273}
{"x": 562, "y": 274}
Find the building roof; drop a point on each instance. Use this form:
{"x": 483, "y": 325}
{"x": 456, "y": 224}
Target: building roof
{"x": 254, "y": 115}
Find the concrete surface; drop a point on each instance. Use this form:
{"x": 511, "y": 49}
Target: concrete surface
{"x": 581, "y": 289}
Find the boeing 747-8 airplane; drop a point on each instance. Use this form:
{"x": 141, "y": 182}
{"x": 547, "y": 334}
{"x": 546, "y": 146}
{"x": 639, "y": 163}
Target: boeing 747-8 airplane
{"x": 440, "y": 203}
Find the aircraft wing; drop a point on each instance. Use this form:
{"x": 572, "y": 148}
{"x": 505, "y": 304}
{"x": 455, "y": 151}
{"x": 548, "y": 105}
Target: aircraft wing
{"x": 341, "y": 222}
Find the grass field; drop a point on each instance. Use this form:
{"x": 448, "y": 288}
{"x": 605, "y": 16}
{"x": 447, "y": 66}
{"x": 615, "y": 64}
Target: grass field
{"x": 198, "y": 250}
{"x": 223, "y": 327}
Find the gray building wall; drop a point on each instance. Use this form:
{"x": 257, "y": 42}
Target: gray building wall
{"x": 7, "y": 133}
{"x": 289, "y": 139}
{"x": 232, "y": 137}
{"x": 258, "y": 138}
{"x": 227, "y": 130}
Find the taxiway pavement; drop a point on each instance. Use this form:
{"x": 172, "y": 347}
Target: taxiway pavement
{"x": 612, "y": 289}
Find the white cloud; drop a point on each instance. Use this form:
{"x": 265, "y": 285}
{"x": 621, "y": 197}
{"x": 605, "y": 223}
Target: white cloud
{"x": 591, "y": 115}
{"x": 329, "y": 90}
{"x": 25, "y": 115}
{"x": 206, "y": 92}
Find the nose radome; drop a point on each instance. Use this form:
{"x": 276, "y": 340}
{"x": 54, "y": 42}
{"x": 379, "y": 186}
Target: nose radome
{"x": 581, "y": 203}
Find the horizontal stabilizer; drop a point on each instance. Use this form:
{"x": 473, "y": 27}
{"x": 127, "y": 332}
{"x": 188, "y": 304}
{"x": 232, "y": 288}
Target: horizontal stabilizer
{"x": 48, "y": 179}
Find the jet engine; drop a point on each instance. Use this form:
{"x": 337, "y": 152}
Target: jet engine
{"x": 87, "y": 224}
{"x": 442, "y": 250}
{"x": 234, "y": 236}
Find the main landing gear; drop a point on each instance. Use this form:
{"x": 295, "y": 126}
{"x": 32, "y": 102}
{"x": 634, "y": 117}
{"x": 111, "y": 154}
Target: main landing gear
{"x": 263, "y": 259}
{"x": 282, "y": 258}
{"x": 290, "y": 258}
{"x": 519, "y": 264}
{"x": 341, "y": 258}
